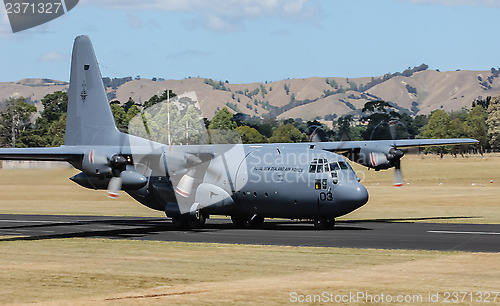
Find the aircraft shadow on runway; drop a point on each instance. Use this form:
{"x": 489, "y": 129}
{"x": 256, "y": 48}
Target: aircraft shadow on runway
{"x": 141, "y": 228}
{"x": 392, "y": 220}
{"x": 138, "y": 228}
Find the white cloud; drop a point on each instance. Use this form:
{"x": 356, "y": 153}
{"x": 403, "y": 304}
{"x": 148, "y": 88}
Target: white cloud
{"x": 52, "y": 56}
{"x": 220, "y": 15}
{"x": 216, "y": 23}
{"x": 486, "y": 3}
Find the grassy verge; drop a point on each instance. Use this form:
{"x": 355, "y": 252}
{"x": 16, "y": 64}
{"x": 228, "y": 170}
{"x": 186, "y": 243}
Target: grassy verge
{"x": 49, "y": 191}
{"x": 83, "y": 271}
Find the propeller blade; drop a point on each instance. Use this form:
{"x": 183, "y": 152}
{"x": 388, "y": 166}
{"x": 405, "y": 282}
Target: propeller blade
{"x": 392, "y": 129}
{"x": 398, "y": 175}
{"x": 314, "y": 137}
{"x": 114, "y": 187}
{"x": 186, "y": 184}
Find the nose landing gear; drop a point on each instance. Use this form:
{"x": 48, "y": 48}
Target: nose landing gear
{"x": 324, "y": 223}
{"x": 241, "y": 221}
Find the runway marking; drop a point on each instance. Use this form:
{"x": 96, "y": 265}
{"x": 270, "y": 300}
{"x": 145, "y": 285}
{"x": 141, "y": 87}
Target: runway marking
{"x": 471, "y": 233}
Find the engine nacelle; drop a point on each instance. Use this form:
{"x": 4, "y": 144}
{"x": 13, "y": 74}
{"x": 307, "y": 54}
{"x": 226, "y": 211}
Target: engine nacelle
{"x": 379, "y": 158}
{"x": 131, "y": 180}
{"x": 96, "y": 164}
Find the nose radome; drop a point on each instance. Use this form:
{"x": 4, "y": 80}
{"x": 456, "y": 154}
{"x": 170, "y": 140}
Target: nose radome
{"x": 352, "y": 194}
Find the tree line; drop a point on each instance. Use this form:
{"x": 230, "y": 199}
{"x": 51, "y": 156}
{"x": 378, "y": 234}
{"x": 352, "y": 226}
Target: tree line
{"x": 19, "y": 128}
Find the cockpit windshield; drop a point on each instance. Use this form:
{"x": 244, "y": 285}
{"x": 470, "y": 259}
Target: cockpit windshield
{"x": 343, "y": 165}
{"x": 334, "y": 166}
{"x": 319, "y": 166}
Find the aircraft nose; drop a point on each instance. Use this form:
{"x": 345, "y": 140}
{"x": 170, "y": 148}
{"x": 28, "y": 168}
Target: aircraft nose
{"x": 354, "y": 195}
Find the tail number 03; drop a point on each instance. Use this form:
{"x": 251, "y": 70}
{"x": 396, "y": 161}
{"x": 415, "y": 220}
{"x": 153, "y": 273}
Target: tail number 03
{"x": 326, "y": 196}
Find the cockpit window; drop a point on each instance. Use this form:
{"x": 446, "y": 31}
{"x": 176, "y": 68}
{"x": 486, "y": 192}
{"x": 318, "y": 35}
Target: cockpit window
{"x": 319, "y": 165}
{"x": 334, "y": 167}
{"x": 343, "y": 165}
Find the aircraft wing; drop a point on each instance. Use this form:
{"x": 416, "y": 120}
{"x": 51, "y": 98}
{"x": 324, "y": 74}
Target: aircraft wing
{"x": 43, "y": 154}
{"x": 351, "y": 146}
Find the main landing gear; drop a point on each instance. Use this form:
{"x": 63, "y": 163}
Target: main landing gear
{"x": 324, "y": 223}
{"x": 254, "y": 221}
{"x": 186, "y": 222}
{"x": 239, "y": 221}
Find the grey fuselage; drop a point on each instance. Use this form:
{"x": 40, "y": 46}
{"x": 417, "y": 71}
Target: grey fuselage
{"x": 280, "y": 180}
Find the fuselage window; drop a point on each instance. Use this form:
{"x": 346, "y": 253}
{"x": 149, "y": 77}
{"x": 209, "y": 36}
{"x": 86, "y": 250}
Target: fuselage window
{"x": 319, "y": 169}
{"x": 312, "y": 168}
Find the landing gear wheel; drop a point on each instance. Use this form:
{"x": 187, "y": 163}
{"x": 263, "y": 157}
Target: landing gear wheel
{"x": 179, "y": 222}
{"x": 320, "y": 223}
{"x": 239, "y": 221}
{"x": 256, "y": 221}
{"x": 330, "y": 223}
{"x": 197, "y": 223}
{"x": 324, "y": 223}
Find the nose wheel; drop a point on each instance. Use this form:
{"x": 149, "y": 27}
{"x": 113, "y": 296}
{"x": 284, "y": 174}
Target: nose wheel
{"x": 324, "y": 223}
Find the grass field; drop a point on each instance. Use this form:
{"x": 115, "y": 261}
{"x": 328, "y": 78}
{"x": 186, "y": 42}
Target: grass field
{"x": 95, "y": 271}
{"x": 102, "y": 272}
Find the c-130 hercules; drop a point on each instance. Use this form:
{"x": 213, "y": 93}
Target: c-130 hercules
{"x": 191, "y": 182}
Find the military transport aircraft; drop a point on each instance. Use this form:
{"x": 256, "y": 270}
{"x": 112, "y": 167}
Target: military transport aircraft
{"x": 191, "y": 182}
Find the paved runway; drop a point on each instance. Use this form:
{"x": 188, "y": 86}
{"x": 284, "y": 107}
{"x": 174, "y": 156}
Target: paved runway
{"x": 381, "y": 234}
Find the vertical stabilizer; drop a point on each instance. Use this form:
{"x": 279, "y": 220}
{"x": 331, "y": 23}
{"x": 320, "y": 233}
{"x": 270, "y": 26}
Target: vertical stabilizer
{"x": 89, "y": 120}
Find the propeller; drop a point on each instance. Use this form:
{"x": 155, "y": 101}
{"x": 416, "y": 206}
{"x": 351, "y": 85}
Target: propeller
{"x": 118, "y": 164}
{"x": 395, "y": 156}
{"x": 195, "y": 167}
{"x": 98, "y": 166}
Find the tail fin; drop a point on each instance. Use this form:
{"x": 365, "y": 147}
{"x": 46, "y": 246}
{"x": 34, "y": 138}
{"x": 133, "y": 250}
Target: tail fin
{"x": 89, "y": 120}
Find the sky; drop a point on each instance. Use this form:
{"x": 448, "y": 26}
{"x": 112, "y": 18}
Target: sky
{"x": 246, "y": 41}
